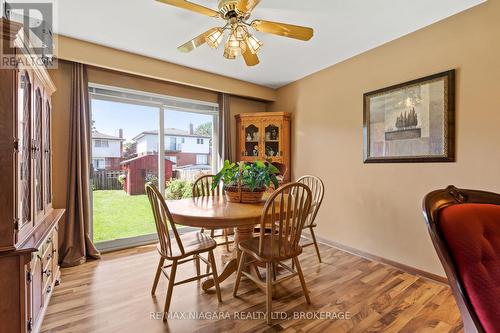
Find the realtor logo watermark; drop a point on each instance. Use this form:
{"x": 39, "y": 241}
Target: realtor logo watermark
{"x": 226, "y": 315}
{"x": 35, "y": 35}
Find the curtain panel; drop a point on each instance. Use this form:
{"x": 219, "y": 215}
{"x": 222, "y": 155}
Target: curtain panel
{"x": 225, "y": 145}
{"x": 76, "y": 244}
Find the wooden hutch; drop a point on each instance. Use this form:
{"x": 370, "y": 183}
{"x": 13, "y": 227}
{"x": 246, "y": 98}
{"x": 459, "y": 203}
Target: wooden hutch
{"x": 264, "y": 136}
{"x": 28, "y": 223}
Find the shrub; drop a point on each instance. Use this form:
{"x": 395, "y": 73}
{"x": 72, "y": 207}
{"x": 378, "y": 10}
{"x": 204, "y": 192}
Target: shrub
{"x": 151, "y": 178}
{"x": 121, "y": 179}
{"x": 179, "y": 189}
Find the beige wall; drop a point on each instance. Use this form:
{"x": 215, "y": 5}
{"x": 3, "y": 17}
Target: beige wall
{"x": 61, "y": 105}
{"x": 377, "y": 208}
{"x": 60, "y": 132}
{"x": 105, "y": 57}
{"x": 134, "y": 82}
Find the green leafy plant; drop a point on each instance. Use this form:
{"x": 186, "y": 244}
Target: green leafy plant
{"x": 121, "y": 179}
{"x": 253, "y": 176}
{"x": 151, "y": 178}
{"x": 179, "y": 189}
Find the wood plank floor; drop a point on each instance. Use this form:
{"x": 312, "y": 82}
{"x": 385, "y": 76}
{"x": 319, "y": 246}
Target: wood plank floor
{"x": 113, "y": 295}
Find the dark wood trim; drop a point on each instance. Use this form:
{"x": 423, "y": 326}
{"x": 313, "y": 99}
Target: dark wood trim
{"x": 405, "y": 268}
{"x": 433, "y": 203}
{"x": 450, "y": 114}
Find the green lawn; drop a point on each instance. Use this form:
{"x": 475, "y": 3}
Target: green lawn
{"x": 118, "y": 215}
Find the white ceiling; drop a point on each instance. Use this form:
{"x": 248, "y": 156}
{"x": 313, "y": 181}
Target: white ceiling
{"x": 343, "y": 28}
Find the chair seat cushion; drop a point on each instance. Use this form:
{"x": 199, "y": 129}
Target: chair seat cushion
{"x": 251, "y": 246}
{"x": 472, "y": 234}
{"x": 193, "y": 242}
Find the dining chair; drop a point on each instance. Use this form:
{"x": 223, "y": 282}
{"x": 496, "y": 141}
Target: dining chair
{"x": 202, "y": 187}
{"x": 285, "y": 212}
{"x": 178, "y": 249}
{"x": 317, "y": 188}
{"x": 464, "y": 226}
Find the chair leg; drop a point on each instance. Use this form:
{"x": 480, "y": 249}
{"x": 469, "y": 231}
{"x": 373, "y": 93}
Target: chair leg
{"x": 269, "y": 291}
{"x": 214, "y": 273}
{"x": 302, "y": 280}
{"x": 197, "y": 264}
{"x": 208, "y": 265}
{"x": 315, "y": 243}
{"x": 157, "y": 276}
{"x": 226, "y": 239}
{"x": 170, "y": 289}
{"x": 241, "y": 264}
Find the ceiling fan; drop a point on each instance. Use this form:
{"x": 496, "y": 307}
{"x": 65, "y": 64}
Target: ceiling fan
{"x": 240, "y": 42}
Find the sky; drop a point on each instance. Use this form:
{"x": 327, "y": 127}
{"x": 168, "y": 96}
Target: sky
{"x": 109, "y": 117}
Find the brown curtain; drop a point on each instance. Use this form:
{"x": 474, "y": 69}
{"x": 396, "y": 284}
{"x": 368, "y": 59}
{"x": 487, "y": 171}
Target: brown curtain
{"x": 225, "y": 151}
{"x": 76, "y": 245}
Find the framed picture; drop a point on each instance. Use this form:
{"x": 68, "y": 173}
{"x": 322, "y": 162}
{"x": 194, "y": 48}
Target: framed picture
{"x": 411, "y": 122}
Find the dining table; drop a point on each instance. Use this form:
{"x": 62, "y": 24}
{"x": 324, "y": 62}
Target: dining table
{"x": 216, "y": 212}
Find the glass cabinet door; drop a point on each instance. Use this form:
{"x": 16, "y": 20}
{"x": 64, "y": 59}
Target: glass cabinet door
{"x": 23, "y": 143}
{"x": 47, "y": 152}
{"x": 251, "y": 149}
{"x": 272, "y": 141}
{"x": 37, "y": 155}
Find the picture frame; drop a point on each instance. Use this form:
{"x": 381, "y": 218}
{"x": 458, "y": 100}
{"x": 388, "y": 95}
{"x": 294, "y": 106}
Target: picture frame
{"x": 411, "y": 122}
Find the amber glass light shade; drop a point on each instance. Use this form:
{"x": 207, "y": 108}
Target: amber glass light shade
{"x": 215, "y": 38}
{"x": 234, "y": 47}
{"x": 254, "y": 44}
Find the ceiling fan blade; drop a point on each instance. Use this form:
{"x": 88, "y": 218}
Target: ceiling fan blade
{"x": 191, "y": 6}
{"x": 246, "y": 6}
{"x": 283, "y": 29}
{"x": 195, "y": 42}
{"x": 251, "y": 59}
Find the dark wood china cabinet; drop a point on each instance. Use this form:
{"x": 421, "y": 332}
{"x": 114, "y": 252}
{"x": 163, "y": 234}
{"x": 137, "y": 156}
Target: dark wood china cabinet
{"x": 28, "y": 223}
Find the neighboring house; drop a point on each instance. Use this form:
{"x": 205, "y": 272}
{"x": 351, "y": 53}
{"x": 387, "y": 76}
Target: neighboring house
{"x": 106, "y": 151}
{"x": 181, "y": 147}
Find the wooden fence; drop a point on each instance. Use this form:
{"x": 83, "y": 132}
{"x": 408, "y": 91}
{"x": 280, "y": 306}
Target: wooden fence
{"x": 190, "y": 175}
{"x": 106, "y": 180}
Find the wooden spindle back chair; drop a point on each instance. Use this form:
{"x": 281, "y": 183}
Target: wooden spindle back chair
{"x": 177, "y": 248}
{"x": 318, "y": 191}
{"x": 285, "y": 214}
{"x": 202, "y": 187}
{"x": 164, "y": 225}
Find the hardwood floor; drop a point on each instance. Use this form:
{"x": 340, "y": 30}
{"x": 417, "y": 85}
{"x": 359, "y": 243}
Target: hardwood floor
{"x": 113, "y": 295}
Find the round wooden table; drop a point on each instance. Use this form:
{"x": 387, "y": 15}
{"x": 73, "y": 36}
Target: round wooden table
{"x": 217, "y": 212}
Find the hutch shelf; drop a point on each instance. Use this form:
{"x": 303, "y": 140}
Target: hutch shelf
{"x": 264, "y": 136}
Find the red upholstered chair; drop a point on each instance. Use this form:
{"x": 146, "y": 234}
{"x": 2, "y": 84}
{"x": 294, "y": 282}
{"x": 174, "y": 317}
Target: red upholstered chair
{"x": 465, "y": 228}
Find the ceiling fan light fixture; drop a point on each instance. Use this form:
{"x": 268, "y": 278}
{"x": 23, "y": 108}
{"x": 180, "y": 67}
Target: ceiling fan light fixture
{"x": 215, "y": 38}
{"x": 254, "y": 44}
{"x": 236, "y": 14}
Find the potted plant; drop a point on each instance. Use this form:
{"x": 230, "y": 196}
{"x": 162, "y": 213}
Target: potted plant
{"x": 246, "y": 182}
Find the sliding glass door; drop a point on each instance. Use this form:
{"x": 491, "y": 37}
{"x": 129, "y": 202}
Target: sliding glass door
{"x": 139, "y": 138}
{"x": 189, "y": 148}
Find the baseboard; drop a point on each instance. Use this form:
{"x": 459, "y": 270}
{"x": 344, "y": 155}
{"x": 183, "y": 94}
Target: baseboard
{"x": 405, "y": 268}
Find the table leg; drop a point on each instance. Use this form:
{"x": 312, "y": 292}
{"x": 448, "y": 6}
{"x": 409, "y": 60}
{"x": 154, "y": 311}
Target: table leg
{"x": 242, "y": 233}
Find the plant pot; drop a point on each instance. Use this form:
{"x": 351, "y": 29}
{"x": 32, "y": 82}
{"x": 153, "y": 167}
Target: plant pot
{"x": 233, "y": 194}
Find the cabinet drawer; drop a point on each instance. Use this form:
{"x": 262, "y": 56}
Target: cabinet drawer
{"x": 47, "y": 244}
{"x": 47, "y": 273}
